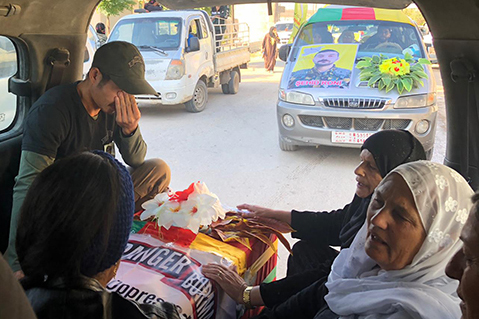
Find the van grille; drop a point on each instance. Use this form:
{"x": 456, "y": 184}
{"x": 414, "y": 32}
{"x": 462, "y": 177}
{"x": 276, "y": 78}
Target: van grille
{"x": 355, "y": 103}
{"x": 309, "y": 120}
{"x": 396, "y": 124}
{"x": 342, "y": 123}
{"x": 345, "y": 123}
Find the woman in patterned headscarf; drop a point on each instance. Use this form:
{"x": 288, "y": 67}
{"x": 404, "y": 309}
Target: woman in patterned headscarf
{"x": 270, "y": 43}
{"x": 395, "y": 267}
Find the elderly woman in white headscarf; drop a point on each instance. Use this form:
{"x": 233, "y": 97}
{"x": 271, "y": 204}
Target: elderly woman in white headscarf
{"x": 395, "y": 267}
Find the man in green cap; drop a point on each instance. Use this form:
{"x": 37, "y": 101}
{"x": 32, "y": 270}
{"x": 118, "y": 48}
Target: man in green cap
{"x": 93, "y": 114}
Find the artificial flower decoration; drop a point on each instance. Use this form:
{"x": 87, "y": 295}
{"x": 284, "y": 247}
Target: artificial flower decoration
{"x": 395, "y": 66}
{"x": 188, "y": 209}
{"x": 387, "y": 74}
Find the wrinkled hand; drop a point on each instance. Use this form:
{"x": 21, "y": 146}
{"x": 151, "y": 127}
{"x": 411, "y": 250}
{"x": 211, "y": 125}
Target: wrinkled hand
{"x": 19, "y": 274}
{"x": 281, "y": 215}
{"x": 228, "y": 279}
{"x": 259, "y": 211}
{"x": 127, "y": 112}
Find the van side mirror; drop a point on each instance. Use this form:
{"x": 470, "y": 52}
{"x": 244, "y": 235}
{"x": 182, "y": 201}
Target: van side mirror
{"x": 193, "y": 44}
{"x": 284, "y": 52}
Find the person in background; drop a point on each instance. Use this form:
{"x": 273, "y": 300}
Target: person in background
{"x": 98, "y": 113}
{"x": 270, "y": 49}
{"x": 312, "y": 256}
{"x": 315, "y": 33}
{"x": 464, "y": 266}
{"x": 219, "y": 14}
{"x": 74, "y": 226}
{"x": 152, "y": 5}
{"x": 382, "y": 38}
{"x": 347, "y": 37}
{"x": 101, "y": 32}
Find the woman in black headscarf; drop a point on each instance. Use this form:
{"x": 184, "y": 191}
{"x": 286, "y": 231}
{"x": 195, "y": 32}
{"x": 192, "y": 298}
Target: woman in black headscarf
{"x": 312, "y": 256}
{"x": 269, "y": 48}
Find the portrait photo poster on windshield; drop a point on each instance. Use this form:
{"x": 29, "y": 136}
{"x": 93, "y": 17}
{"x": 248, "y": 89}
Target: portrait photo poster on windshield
{"x": 324, "y": 66}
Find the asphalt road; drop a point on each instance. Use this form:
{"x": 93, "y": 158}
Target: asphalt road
{"x": 232, "y": 146}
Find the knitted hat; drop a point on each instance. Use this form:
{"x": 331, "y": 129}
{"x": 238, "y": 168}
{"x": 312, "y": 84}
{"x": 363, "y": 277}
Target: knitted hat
{"x": 97, "y": 258}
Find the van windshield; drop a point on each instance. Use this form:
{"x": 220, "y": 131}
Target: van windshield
{"x": 374, "y": 37}
{"x": 163, "y": 33}
{"x": 284, "y": 27}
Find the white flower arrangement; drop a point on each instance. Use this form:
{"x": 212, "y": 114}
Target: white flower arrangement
{"x": 194, "y": 207}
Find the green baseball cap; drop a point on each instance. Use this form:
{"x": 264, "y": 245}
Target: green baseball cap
{"x": 123, "y": 63}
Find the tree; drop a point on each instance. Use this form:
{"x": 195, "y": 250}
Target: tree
{"x": 115, "y": 7}
{"x": 415, "y": 14}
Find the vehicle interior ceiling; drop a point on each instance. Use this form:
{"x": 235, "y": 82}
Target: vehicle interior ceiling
{"x": 64, "y": 24}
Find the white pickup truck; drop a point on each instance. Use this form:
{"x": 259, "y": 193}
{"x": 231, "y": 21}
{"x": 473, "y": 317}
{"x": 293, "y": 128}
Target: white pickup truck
{"x": 183, "y": 55}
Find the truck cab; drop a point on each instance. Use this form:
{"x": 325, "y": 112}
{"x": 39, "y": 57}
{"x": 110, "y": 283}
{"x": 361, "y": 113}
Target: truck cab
{"x": 180, "y": 54}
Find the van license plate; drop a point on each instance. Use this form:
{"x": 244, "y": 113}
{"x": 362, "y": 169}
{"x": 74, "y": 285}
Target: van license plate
{"x": 349, "y": 137}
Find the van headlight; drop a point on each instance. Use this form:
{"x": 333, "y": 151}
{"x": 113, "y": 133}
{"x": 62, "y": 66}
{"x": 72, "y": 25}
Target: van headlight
{"x": 176, "y": 70}
{"x": 414, "y": 101}
{"x": 296, "y": 97}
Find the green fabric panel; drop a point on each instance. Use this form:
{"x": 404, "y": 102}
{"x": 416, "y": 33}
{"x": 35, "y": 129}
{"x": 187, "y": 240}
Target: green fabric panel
{"x": 326, "y": 15}
{"x": 137, "y": 226}
{"x": 271, "y": 276}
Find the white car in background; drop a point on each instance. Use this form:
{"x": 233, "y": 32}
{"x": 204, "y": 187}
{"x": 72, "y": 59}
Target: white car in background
{"x": 92, "y": 44}
{"x": 284, "y": 28}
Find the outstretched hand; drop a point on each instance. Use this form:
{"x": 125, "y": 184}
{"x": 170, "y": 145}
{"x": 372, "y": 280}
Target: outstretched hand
{"x": 227, "y": 278}
{"x": 127, "y": 112}
{"x": 259, "y": 211}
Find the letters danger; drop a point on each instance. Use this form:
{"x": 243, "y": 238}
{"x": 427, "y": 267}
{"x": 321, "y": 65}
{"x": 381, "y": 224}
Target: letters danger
{"x": 169, "y": 262}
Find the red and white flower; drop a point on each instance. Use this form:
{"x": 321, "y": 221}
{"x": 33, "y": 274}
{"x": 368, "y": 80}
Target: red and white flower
{"x": 191, "y": 208}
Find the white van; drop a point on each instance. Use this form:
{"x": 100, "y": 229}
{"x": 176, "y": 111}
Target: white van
{"x": 320, "y": 110}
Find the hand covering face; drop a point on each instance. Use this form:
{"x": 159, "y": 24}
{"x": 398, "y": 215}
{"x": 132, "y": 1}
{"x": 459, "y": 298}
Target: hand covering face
{"x": 360, "y": 289}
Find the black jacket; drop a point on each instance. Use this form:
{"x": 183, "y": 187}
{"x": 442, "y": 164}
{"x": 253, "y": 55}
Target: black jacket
{"x": 85, "y": 298}
{"x": 335, "y": 228}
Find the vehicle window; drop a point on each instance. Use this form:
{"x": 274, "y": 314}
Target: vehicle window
{"x": 194, "y": 28}
{"x": 204, "y": 30}
{"x": 8, "y": 67}
{"x": 373, "y": 37}
{"x": 161, "y": 33}
{"x": 284, "y": 27}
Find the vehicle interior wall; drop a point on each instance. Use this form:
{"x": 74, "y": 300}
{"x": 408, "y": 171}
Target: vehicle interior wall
{"x": 187, "y": 4}
{"x": 61, "y": 24}
{"x": 455, "y": 30}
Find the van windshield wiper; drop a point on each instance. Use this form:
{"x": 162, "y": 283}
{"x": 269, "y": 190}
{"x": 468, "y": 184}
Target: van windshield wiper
{"x": 156, "y": 49}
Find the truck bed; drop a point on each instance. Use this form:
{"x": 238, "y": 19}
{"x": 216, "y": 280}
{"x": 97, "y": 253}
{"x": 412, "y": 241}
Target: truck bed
{"x": 227, "y": 60}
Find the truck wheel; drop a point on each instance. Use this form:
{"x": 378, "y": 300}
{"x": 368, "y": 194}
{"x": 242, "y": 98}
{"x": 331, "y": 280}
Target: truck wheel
{"x": 225, "y": 88}
{"x": 284, "y": 146}
{"x": 200, "y": 97}
{"x": 233, "y": 84}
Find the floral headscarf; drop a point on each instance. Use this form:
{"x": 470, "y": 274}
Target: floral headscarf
{"x": 360, "y": 289}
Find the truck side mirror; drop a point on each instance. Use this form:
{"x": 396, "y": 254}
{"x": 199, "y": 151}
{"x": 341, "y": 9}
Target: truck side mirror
{"x": 193, "y": 44}
{"x": 284, "y": 52}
